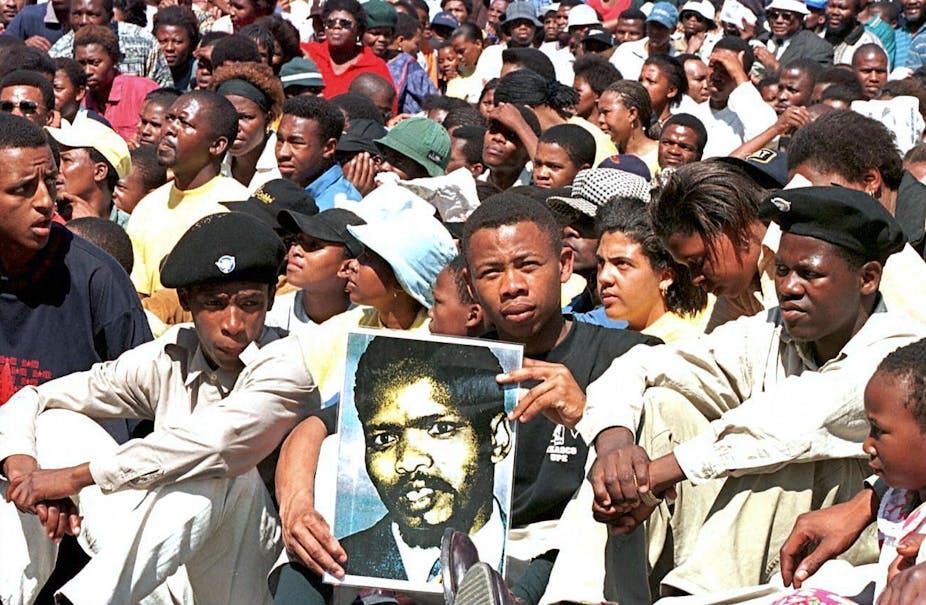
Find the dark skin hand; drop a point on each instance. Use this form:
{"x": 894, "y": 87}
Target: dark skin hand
{"x": 906, "y": 581}
{"x": 821, "y": 535}
{"x": 557, "y": 395}
{"x": 46, "y": 494}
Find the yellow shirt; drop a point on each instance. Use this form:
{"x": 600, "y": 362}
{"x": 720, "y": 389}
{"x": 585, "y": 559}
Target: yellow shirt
{"x": 604, "y": 147}
{"x": 328, "y": 354}
{"x": 164, "y": 215}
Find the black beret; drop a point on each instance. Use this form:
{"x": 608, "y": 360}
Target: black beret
{"x": 230, "y": 246}
{"x": 273, "y": 197}
{"x": 328, "y": 226}
{"x": 844, "y": 217}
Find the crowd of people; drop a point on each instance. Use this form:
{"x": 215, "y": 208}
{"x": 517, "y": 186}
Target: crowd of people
{"x": 703, "y": 221}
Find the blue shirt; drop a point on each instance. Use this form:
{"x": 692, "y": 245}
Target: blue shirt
{"x": 331, "y": 187}
{"x": 31, "y": 22}
{"x": 916, "y": 56}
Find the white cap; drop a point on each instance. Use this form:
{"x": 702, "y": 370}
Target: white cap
{"x": 582, "y": 15}
{"x": 792, "y": 6}
{"x": 703, "y": 8}
{"x": 738, "y": 14}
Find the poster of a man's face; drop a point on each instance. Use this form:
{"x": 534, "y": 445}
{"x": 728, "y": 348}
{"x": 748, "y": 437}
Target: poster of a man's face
{"x": 425, "y": 444}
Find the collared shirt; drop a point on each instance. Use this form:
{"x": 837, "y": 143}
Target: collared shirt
{"x": 141, "y": 54}
{"x": 915, "y": 45}
{"x": 336, "y": 84}
{"x": 489, "y": 541}
{"x": 845, "y": 50}
{"x": 266, "y": 168}
{"x": 745, "y": 117}
{"x": 207, "y": 423}
{"x": 630, "y": 57}
{"x": 164, "y": 215}
{"x": 770, "y": 403}
{"x": 123, "y": 106}
{"x": 903, "y": 284}
{"x": 36, "y": 20}
{"x": 331, "y": 187}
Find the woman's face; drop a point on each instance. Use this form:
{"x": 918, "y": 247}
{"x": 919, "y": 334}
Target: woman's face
{"x": 657, "y": 85}
{"x": 615, "y": 119}
{"x": 587, "y": 97}
{"x": 627, "y": 284}
{"x": 252, "y": 126}
{"x": 175, "y": 44}
{"x": 370, "y": 280}
{"x": 341, "y": 30}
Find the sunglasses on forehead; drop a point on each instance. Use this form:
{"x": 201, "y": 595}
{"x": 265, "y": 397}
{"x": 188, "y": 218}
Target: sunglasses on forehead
{"x": 27, "y": 107}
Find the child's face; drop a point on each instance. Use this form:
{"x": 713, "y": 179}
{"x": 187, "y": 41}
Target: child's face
{"x": 895, "y": 443}
{"x": 449, "y": 313}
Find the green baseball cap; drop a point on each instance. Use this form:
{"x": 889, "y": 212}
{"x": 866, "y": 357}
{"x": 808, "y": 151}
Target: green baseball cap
{"x": 423, "y": 140}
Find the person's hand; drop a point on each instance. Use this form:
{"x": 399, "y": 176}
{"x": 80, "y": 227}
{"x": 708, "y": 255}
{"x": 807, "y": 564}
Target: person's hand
{"x": 907, "y": 551}
{"x": 622, "y": 523}
{"x": 28, "y": 490}
{"x": 556, "y": 394}
{"x": 619, "y": 473}
{"x": 58, "y": 517}
{"x": 18, "y": 465}
{"x": 766, "y": 58}
{"x": 731, "y": 61}
{"x": 399, "y": 118}
{"x": 72, "y": 206}
{"x": 695, "y": 42}
{"x": 360, "y": 171}
{"x": 791, "y": 119}
{"x": 821, "y": 535}
{"x": 508, "y": 115}
{"x": 39, "y": 43}
{"x": 308, "y": 538}
{"x": 906, "y": 587}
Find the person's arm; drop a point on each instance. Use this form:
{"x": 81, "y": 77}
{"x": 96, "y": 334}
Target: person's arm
{"x": 306, "y": 534}
{"x": 754, "y": 113}
{"x": 507, "y": 114}
{"x": 271, "y": 396}
{"x": 789, "y": 121}
{"x": 821, "y": 535}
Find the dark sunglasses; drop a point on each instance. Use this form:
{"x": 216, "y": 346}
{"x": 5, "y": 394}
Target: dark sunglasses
{"x": 339, "y": 23}
{"x": 689, "y": 14}
{"x": 775, "y": 15}
{"x": 27, "y": 107}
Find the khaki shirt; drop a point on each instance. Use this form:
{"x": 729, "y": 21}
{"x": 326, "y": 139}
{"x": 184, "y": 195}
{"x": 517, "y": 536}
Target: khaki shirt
{"x": 768, "y": 401}
{"x": 903, "y": 285}
{"x": 207, "y": 423}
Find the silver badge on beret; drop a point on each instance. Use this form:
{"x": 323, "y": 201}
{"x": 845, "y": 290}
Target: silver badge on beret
{"x": 781, "y": 203}
{"x": 226, "y": 264}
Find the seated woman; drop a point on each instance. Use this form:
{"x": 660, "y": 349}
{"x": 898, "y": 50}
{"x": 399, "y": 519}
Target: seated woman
{"x": 257, "y": 96}
{"x": 624, "y": 112}
{"x": 664, "y": 79}
{"x": 117, "y": 97}
{"x": 638, "y": 281}
{"x": 340, "y": 56}
{"x": 177, "y": 32}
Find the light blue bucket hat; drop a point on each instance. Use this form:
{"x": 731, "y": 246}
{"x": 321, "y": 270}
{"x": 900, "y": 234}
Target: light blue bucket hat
{"x": 416, "y": 247}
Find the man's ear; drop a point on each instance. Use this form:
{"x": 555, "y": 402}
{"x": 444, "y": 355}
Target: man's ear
{"x": 100, "y": 172}
{"x": 329, "y": 147}
{"x": 218, "y": 147}
{"x": 271, "y": 295}
{"x": 53, "y": 118}
{"x": 870, "y": 277}
{"x": 474, "y": 316}
{"x": 477, "y": 169}
{"x": 566, "y": 260}
{"x": 183, "y": 295}
{"x": 501, "y": 438}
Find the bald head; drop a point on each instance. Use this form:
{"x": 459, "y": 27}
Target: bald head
{"x": 377, "y": 89}
{"x": 869, "y": 64}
